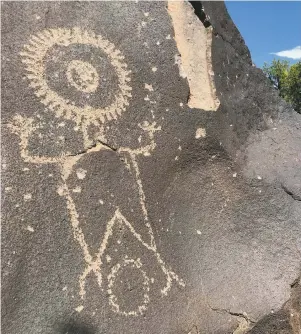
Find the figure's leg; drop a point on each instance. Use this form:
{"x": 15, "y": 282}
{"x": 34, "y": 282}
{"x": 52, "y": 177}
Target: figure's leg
{"x": 66, "y": 167}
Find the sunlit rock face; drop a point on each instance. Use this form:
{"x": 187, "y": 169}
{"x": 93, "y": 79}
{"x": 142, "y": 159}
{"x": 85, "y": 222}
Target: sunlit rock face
{"x": 151, "y": 176}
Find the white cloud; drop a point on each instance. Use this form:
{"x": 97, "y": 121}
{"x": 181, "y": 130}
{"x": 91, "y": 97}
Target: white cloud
{"x": 294, "y": 53}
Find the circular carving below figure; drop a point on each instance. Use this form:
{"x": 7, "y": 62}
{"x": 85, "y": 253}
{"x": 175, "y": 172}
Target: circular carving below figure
{"x": 116, "y": 271}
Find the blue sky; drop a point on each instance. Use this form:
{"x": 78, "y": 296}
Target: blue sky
{"x": 269, "y": 27}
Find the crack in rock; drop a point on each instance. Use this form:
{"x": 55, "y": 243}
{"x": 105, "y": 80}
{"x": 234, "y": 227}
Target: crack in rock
{"x": 235, "y": 314}
{"x": 200, "y": 13}
{"x": 245, "y": 323}
{"x": 92, "y": 147}
{"x": 291, "y": 194}
{"x": 295, "y": 306}
{"x": 205, "y": 19}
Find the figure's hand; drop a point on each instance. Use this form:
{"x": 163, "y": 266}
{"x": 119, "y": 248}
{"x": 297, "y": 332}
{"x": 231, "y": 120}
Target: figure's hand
{"x": 150, "y": 129}
{"x": 21, "y": 126}
{"x": 24, "y": 127}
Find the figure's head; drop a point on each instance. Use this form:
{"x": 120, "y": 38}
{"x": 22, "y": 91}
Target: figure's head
{"x": 77, "y": 74}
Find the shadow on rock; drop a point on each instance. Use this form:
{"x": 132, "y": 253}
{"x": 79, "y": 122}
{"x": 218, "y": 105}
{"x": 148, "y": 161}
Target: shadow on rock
{"x": 277, "y": 323}
{"x": 287, "y": 320}
{"x": 74, "y": 327}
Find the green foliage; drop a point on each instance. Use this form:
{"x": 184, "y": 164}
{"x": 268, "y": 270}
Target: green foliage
{"x": 287, "y": 79}
{"x": 294, "y": 86}
{"x": 277, "y": 72}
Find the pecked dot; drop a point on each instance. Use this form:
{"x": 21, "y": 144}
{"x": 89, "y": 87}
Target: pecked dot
{"x": 83, "y": 76}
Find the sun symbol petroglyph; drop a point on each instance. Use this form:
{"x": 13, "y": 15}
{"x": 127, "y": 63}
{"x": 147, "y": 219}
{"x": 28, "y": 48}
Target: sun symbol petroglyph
{"x": 84, "y": 77}
{"x": 80, "y": 74}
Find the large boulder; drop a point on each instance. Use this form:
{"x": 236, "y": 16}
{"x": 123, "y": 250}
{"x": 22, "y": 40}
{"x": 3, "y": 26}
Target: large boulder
{"x": 151, "y": 174}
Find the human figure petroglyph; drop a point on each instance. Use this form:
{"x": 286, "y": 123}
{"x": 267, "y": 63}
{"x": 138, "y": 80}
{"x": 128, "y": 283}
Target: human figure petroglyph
{"x": 84, "y": 78}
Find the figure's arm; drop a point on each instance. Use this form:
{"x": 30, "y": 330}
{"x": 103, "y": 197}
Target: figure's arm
{"x": 23, "y": 128}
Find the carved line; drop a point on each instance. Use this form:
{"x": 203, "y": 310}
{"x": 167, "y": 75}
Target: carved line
{"x": 113, "y": 299}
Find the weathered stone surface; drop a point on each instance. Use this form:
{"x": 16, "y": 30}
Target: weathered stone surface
{"x": 130, "y": 203}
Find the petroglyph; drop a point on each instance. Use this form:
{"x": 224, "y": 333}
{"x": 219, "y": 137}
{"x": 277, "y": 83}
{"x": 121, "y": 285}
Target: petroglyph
{"x": 84, "y": 77}
{"x": 200, "y": 133}
{"x": 112, "y": 277}
{"x": 81, "y": 173}
{"x": 79, "y": 308}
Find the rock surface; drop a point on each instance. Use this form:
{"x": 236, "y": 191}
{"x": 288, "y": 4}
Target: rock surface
{"x": 151, "y": 175}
